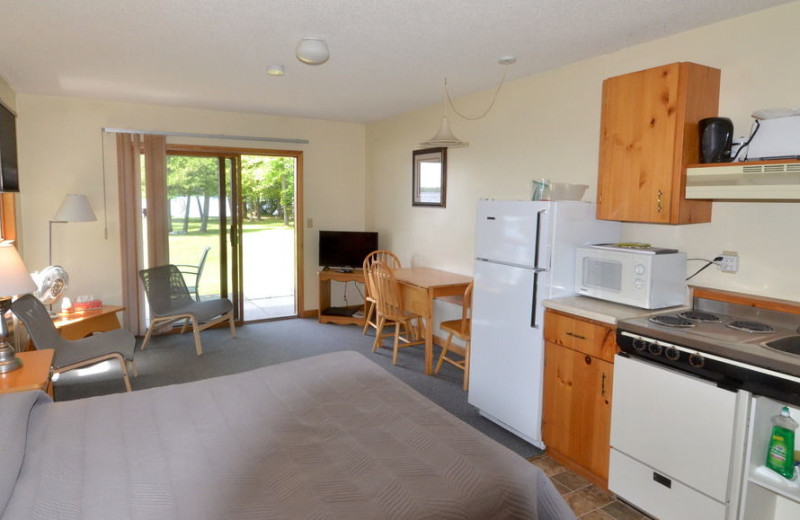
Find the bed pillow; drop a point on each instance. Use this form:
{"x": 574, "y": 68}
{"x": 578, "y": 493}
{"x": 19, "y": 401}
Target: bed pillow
{"x": 15, "y": 408}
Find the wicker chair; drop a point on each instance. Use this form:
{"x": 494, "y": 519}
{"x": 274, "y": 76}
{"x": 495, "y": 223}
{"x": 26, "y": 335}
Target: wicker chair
{"x": 192, "y": 273}
{"x": 408, "y": 326}
{"x": 170, "y": 301}
{"x": 116, "y": 344}
{"x": 391, "y": 260}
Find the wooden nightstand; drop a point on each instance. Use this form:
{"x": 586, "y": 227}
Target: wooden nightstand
{"x": 34, "y": 374}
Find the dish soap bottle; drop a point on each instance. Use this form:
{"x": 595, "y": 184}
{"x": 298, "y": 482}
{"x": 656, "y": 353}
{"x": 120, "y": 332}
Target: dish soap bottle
{"x": 780, "y": 454}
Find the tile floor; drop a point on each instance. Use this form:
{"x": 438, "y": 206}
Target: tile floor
{"x": 587, "y": 501}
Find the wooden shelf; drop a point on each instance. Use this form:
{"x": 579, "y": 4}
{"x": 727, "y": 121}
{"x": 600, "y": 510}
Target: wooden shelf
{"x": 331, "y": 275}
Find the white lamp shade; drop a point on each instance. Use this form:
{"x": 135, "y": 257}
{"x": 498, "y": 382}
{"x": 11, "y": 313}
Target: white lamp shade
{"x": 312, "y": 51}
{"x": 75, "y": 208}
{"x": 444, "y": 138}
{"x": 14, "y": 276}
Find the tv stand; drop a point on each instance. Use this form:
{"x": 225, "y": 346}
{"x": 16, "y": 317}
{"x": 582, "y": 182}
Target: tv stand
{"x": 349, "y": 315}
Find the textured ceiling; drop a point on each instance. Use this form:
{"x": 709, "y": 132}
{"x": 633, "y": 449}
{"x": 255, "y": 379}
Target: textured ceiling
{"x": 387, "y": 56}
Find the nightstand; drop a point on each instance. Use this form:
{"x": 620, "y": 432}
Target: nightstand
{"x": 34, "y": 374}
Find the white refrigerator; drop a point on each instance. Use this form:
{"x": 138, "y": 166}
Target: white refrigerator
{"x": 524, "y": 253}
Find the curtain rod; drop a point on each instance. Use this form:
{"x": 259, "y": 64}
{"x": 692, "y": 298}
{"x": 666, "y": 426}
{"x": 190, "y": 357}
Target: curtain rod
{"x": 207, "y": 136}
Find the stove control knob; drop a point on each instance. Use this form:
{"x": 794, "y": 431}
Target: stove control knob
{"x": 639, "y": 344}
{"x": 672, "y": 353}
{"x": 696, "y": 360}
{"x": 655, "y": 349}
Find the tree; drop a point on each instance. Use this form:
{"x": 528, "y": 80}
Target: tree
{"x": 268, "y": 186}
{"x": 193, "y": 177}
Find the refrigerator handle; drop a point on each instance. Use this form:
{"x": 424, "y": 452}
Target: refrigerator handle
{"x": 536, "y": 270}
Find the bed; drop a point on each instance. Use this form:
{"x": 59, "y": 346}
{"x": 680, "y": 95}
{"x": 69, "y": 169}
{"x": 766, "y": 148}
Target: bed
{"x": 331, "y": 436}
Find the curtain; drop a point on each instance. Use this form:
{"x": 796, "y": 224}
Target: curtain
{"x": 129, "y": 149}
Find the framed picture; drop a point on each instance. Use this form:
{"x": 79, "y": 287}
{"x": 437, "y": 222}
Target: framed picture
{"x": 429, "y": 177}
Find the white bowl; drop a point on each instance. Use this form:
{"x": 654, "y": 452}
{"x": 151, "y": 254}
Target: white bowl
{"x": 566, "y": 191}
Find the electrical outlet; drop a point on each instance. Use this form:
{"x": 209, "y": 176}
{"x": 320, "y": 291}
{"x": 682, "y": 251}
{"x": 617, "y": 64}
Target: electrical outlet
{"x": 729, "y": 262}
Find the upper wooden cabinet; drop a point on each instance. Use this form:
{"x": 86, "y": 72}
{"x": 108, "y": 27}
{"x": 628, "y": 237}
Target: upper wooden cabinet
{"x": 648, "y": 134}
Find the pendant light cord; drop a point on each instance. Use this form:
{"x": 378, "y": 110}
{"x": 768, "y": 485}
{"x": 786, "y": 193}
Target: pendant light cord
{"x": 468, "y": 118}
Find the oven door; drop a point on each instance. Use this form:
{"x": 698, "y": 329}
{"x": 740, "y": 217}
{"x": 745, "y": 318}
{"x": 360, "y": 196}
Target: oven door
{"x": 672, "y": 439}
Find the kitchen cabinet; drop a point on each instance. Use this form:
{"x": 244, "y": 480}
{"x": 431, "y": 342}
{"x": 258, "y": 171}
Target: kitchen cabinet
{"x": 648, "y": 134}
{"x": 765, "y": 494}
{"x": 578, "y": 377}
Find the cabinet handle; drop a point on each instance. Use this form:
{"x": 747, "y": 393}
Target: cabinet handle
{"x": 577, "y": 336}
{"x": 603, "y": 385}
{"x": 658, "y": 202}
{"x": 588, "y": 360}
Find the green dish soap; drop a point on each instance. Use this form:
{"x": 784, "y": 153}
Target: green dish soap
{"x": 780, "y": 454}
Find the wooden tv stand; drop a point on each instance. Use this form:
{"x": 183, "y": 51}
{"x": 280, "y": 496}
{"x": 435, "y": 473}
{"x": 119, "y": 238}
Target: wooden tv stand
{"x": 327, "y": 314}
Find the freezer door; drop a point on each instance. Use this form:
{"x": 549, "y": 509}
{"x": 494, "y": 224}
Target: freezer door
{"x": 507, "y": 354}
{"x": 506, "y": 231}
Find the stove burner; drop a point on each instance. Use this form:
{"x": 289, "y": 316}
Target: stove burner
{"x": 669, "y": 320}
{"x": 701, "y": 316}
{"x": 749, "y": 326}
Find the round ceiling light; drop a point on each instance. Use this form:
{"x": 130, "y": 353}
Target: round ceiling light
{"x": 312, "y": 51}
{"x": 276, "y": 70}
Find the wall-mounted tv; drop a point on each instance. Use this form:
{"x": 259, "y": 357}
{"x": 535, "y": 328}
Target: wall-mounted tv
{"x": 346, "y": 249}
{"x": 9, "y": 178}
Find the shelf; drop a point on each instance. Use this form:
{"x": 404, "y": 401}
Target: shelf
{"x": 766, "y": 478}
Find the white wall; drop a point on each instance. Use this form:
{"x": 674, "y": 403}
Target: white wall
{"x": 61, "y": 151}
{"x": 547, "y": 126}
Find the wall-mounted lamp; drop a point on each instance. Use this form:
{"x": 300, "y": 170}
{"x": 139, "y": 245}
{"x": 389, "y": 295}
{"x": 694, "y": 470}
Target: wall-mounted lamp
{"x": 75, "y": 208}
{"x": 312, "y": 51}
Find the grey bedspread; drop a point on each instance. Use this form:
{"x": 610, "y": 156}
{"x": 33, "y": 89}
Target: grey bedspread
{"x": 333, "y": 436}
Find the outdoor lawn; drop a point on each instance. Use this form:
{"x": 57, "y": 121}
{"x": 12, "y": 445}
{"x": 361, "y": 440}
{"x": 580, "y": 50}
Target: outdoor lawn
{"x": 268, "y": 249}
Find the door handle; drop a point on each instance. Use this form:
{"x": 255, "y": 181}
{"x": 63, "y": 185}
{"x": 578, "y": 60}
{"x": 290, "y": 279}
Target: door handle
{"x": 576, "y": 336}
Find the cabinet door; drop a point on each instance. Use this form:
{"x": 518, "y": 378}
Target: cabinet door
{"x": 648, "y": 134}
{"x": 577, "y": 407}
{"x": 584, "y": 336}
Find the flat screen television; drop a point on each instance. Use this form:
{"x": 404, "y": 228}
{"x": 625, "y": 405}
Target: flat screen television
{"x": 9, "y": 178}
{"x": 346, "y": 249}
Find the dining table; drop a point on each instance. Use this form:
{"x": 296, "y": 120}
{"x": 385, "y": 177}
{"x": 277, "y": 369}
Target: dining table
{"x": 420, "y": 286}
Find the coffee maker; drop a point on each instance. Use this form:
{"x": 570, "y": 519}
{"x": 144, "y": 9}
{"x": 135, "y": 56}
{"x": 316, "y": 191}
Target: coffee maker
{"x": 716, "y": 138}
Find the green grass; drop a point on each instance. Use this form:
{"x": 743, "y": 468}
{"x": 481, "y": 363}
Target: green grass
{"x": 186, "y": 249}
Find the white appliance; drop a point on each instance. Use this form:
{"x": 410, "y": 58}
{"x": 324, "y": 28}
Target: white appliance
{"x": 632, "y": 274}
{"x": 776, "y": 138}
{"x": 524, "y": 253}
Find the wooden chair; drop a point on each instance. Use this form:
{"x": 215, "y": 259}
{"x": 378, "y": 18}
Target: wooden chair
{"x": 391, "y": 260}
{"x": 389, "y": 310}
{"x": 462, "y": 329}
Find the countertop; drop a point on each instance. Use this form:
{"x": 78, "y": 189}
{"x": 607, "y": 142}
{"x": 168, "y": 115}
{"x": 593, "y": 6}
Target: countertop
{"x": 600, "y": 310}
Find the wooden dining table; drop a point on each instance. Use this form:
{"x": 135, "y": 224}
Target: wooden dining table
{"x": 420, "y": 286}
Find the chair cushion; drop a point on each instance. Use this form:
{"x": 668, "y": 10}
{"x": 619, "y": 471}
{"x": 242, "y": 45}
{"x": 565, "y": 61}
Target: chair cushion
{"x": 100, "y": 344}
{"x": 204, "y": 310}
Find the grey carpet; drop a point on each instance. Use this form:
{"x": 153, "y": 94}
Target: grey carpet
{"x": 171, "y": 359}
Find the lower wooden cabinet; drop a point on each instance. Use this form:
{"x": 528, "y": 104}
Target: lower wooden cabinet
{"x": 577, "y": 395}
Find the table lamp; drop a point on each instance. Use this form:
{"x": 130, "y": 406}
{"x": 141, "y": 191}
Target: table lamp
{"x": 14, "y": 279}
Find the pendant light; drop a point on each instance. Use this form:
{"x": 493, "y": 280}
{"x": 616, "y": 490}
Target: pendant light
{"x": 444, "y": 138}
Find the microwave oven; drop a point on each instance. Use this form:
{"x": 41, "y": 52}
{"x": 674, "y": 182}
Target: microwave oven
{"x": 638, "y": 275}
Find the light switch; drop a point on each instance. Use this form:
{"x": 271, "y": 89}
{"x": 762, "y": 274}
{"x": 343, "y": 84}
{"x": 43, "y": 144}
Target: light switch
{"x": 309, "y": 223}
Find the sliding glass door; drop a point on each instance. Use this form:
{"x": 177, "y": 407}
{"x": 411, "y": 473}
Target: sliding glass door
{"x": 231, "y": 228}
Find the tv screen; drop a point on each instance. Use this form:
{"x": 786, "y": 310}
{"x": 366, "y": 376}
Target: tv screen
{"x": 9, "y": 180}
{"x": 345, "y": 248}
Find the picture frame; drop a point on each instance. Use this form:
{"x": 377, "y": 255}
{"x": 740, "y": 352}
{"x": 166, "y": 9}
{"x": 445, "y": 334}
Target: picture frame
{"x": 429, "y": 177}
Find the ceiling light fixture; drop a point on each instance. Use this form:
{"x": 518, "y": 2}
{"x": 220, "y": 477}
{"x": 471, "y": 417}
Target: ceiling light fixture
{"x": 444, "y": 137}
{"x": 276, "y": 70}
{"x": 312, "y": 51}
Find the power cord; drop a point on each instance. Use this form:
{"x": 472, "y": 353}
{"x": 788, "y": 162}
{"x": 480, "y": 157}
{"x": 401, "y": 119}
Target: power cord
{"x": 716, "y": 261}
